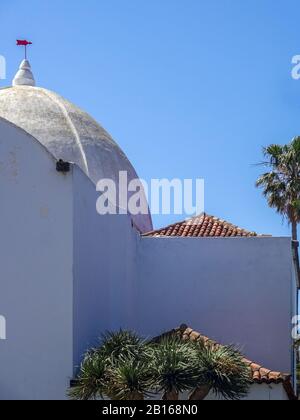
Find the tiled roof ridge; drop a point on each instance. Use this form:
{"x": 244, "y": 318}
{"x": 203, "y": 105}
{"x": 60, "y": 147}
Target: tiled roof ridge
{"x": 260, "y": 375}
{"x": 203, "y": 225}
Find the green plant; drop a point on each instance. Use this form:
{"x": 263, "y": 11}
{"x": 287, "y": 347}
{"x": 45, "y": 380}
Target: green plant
{"x": 222, "y": 371}
{"x": 123, "y": 344}
{"x": 281, "y": 184}
{"x": 125, "y": 367}
{"x": 174, "y": 368}
{"x": 129, "y": 380}
{"x": 92, "y": 379}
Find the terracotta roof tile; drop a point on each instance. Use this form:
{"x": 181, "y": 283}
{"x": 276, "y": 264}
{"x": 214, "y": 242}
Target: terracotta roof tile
{"x": 203, "y": 226}
{"x": 260, "y": 375}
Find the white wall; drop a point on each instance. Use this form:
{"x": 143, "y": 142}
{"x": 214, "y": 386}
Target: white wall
{"x": 35, "y": 270}
{"x": 261, "y": 392}
{"x": 236, "y": 291}
{"x": 68, "y": 274}
{"x": 104, "y": 269}
{"x": 295, "y": 301}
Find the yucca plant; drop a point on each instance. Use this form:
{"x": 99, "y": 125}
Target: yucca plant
{"x": 121, "y": 345}
{"x": 130, "y": 380}
{"x": 174, "y": 367}
{"x": 92, "y": 379}
{"x": 222, "y": 370}
{"x": 125, "y": 367}
{"x": 117, "y": 369}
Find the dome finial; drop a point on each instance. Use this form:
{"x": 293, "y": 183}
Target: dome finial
{"x": 24, "y": 76}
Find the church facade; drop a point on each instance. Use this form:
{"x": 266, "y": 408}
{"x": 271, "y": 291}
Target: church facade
{"x": 68, "y": 274}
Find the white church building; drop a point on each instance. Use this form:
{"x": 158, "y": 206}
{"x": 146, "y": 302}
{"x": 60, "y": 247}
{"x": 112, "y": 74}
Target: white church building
{"x": 68, "y": 274}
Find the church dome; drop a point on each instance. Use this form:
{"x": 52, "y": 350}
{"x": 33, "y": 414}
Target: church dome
{"x": 66, "y": 131}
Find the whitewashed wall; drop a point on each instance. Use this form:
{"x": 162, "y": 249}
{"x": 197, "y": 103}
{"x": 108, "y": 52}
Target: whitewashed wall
{"x": 104, "y": 269}
{"x": 235, "y": 291}
{"x": 67, "y": 275}
{"x": 36, "y": 254}
{"x": 262, "y": 392}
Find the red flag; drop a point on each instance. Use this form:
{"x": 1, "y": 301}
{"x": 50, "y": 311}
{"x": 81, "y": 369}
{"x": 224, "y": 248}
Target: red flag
{"x": 24, "y": 43}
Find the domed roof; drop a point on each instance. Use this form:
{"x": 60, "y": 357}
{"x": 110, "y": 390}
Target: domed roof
{"x": 69, "y": 134}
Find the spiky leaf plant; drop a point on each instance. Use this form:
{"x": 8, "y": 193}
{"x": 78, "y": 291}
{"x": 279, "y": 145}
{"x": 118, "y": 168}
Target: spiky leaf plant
{"x": 123, "y": 344}
{"x": 174, "y": 367}
{"x": 129, "y": 380}
{"x": 223, "y": 371}
{"x": 124, "y": 367}
{"x": 117, "y": 369}
{"x": 92, "y": 379}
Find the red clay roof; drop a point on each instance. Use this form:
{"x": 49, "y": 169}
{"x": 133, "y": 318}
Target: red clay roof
{"x": 203, "y": 226}
{"x": 260, "y": 375}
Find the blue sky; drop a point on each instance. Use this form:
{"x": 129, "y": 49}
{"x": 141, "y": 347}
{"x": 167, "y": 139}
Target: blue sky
{"x": 188, "y": 88}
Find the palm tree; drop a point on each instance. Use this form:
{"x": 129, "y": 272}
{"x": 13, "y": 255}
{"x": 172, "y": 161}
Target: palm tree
{"x": 125, "y": 367}
{"x": 281, "y": 184}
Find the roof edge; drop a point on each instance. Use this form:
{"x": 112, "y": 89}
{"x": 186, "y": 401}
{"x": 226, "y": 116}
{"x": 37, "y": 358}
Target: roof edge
{"x": 187, "y": 229}
{"x": 260, "y": 375}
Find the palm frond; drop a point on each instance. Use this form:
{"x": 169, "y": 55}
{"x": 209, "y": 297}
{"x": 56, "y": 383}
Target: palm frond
{"x": 281, "y": 185}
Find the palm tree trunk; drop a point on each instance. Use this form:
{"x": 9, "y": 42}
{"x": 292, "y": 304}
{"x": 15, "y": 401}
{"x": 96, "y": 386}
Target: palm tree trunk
{"x": 137, "y": 396}
{"x": 171, "y": 396}
{"x": 295, "y": 246}
{"x": 294, "y": 231}
{"x": 200, "y": 393}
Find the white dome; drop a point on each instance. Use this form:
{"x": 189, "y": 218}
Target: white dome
{"x": 69, "y": 134}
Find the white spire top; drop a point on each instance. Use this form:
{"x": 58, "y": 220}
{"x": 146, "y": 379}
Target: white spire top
{"x": 24, "y": 77}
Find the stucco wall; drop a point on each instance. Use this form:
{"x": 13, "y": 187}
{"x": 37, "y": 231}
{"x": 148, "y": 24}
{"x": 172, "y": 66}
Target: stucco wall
{"x": 104, "y": 269}
{"x": 295, "y": 300}
{"x": 68, "y": 274}
{"x": 262, "y": 392}
{"x": 35, "y": 270}
{"x": 236, "y": 291}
